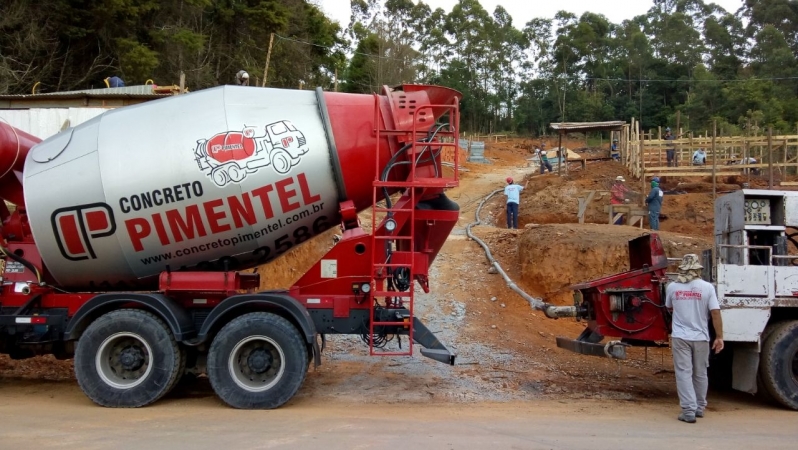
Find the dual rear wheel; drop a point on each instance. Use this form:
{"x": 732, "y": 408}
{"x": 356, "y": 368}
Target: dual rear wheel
{"x": 129, "y": 358}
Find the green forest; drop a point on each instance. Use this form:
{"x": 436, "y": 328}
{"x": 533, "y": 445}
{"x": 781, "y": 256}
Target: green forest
{"x": 738, "y": 68}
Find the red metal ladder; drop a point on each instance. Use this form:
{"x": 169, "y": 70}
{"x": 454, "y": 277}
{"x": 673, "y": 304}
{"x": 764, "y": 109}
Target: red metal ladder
{"x": 404, "y": 215}
{"x": 382, "y": 267}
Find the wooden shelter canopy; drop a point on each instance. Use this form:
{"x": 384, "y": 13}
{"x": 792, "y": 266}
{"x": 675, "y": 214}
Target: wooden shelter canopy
{"x": 585, "y": 127}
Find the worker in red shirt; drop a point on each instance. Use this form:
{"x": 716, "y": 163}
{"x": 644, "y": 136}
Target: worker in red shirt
{"x": 618, "y": 193}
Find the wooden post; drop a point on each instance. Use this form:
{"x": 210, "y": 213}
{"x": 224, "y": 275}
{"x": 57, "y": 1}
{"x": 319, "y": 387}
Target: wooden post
{"x": 785, "y": 158}
{"x": 268, "y": 58}
{"x": 714, "y": 162}
{"x": 770, "y": 157}
{"x": 583, "y": 204}
{"x": 182, "y": 82}
{"x": 336, "y": 80}
{"x": 678, "y": 135}
{"x": 642, "y": 164}
{"x": 559, "y": 160}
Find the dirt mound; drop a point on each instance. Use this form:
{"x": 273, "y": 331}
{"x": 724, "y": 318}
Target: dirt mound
{"x": 549, "y": 199}
{"x": 554, "y": 257}
{"x": 40, "y": 368}
{"x": 286, "y": 270}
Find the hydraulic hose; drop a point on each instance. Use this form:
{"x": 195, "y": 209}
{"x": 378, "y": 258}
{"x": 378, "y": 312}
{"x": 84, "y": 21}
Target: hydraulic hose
{"x": 535, "y": 302}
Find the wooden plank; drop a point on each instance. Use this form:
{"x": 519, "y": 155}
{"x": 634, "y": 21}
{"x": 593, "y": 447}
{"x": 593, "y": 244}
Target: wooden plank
{"x": 583, "y": 202}
{"x": 725, "y": 167}
{"x": 694, "y": 174}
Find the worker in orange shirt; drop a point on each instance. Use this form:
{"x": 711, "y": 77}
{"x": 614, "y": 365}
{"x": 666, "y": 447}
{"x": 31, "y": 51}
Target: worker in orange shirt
{"x": 618, "y": 193}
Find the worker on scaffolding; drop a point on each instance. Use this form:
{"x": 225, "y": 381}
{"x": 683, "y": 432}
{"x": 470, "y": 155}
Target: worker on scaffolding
{"x": 618, "y": 193}
{"x": 699, "y": 157}
{"x": 670, "y": 149}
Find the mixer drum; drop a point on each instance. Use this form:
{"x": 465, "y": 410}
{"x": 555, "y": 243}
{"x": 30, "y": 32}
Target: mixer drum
{"x": 225, "y": 177}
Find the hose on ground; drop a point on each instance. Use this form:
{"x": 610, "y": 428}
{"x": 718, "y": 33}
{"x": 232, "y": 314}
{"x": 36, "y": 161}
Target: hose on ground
{"x": 535, "y": 302}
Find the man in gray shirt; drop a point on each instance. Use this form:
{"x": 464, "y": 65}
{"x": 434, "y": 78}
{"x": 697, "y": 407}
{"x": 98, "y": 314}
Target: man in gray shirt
{"x": 692, "y": 300}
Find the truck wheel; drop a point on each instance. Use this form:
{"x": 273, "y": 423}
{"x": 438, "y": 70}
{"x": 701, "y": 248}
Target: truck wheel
{"x": 235, "y": 173}
{"x": 257, "y": 361}
{"x": 779, "y": 364}
{"x": 761, "y": 391}
{"x": 281, "y": 161}
{"x": 219, "y": 176}
{"x": 181, "y": 368}
{"x": 127, "y": 359}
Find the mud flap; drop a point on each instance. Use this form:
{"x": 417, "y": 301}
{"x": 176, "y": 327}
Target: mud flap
{"x": 745, "y": 366}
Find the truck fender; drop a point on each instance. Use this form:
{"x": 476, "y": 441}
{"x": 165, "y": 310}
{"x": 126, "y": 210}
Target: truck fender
{"x": 279, "y": 301}
{"x": 176, "y": 317}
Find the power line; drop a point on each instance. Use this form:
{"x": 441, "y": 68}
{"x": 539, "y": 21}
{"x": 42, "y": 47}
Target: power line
{"x": 370, "y": 55}
{"x": 690, "y": 80}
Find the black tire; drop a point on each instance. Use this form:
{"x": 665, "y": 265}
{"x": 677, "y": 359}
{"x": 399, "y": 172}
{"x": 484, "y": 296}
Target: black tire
{"x": 181, "y": 368}
{"x": 281, "y": 161}
{"x": 127, "y": 359}
{"x": 779, "y": 364}
{"x": 761, "y": 391}
{"x": 275, "y": 366}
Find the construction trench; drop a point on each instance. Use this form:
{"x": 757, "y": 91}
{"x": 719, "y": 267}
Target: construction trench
{"x": 506, "y": 349}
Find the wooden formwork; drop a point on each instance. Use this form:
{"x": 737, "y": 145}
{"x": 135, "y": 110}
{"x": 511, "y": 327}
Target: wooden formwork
{"x": 646, "y": 154}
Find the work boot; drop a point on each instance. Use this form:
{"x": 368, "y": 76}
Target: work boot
{"x": 699, "y": 413}
{"x": 687, "y": 416}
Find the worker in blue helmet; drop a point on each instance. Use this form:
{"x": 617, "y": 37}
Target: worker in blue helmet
{"x": 654, "y": 203}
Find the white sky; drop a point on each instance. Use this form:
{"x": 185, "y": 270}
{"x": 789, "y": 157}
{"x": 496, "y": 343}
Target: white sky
{"x": 524, "y": 10}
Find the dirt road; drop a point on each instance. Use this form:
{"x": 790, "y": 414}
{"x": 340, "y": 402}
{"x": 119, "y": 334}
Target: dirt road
{"x": 46, "y": 415}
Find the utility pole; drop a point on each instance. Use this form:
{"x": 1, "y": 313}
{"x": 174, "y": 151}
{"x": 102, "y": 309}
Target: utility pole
{"x": 714, "y": 161}
{"x": 268, "y": 58}
{"x": 677, "y": 134}
{"x": 770, "y": 157}
{"x": 336, "y": 80}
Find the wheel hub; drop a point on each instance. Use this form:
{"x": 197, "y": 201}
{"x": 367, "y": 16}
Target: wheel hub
{"x": 131, "y": 358}
{"x": 124, "y": 360}
{"x": 259, "y": 360}
{"x": 256, "y": 363}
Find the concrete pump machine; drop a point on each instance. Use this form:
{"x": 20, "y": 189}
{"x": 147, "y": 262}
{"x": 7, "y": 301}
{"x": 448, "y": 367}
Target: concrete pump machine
{"x": 754, "y": 267}
{"x": 125, "y": 239}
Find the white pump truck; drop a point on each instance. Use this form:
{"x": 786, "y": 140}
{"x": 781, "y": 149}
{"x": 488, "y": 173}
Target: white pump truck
{"x": 755, "y": 269}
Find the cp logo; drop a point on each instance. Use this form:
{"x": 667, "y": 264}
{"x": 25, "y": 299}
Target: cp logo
{"x": 75, "y": 228}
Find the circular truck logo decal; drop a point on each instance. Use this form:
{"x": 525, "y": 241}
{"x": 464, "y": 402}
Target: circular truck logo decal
{"x": 230, "y": 156}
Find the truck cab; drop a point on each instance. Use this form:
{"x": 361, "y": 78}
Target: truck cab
{"x": 756, "y": 275}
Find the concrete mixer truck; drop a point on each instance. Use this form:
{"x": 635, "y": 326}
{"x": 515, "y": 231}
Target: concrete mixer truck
{"x": 126, "y": 240}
